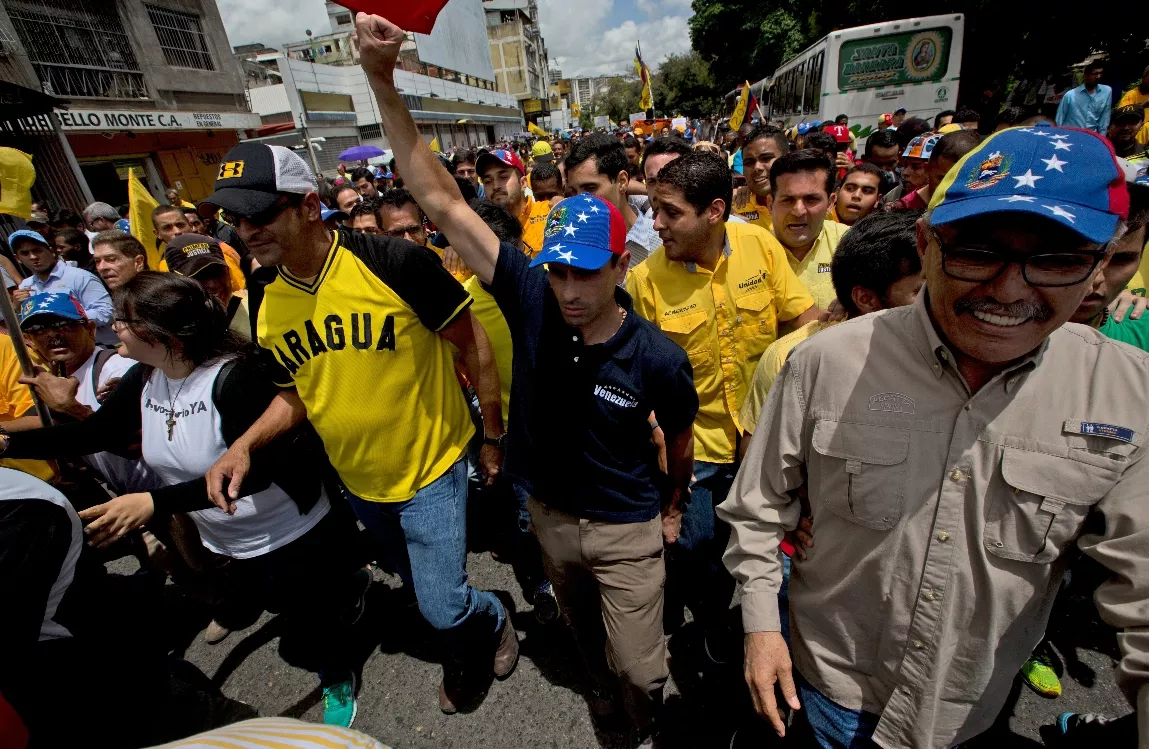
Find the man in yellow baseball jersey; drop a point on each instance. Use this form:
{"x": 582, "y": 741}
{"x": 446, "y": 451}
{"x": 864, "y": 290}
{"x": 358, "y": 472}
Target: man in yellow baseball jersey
{"x": 718, "y": 290}
{"x": 504, "y": 179}
{"x": 763, "y": 146}
{"x": 801, "y": 184}
{"x": 360, "y": 330}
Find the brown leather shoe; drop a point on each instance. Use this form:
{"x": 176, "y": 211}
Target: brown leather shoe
{"x": 507, "y": 654}
{"x": 446, "y": 703}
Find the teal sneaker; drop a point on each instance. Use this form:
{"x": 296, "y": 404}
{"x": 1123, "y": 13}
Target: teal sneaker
{"x": 339, "y": 704}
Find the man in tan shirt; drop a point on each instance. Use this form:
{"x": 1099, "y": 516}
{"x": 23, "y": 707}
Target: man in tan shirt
{"x": 952, "y": 453}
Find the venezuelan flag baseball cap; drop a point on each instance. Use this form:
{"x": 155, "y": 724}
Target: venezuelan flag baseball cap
{"x": 584, "y": 232}
{"x": 499, "y": 156}
{"x": 1067, "y": 175}
{"x": 55, "y": 303}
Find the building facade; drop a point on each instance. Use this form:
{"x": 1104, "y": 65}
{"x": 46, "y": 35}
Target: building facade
{"x": 149, "y": 86}
{"x": 518, "y": 51}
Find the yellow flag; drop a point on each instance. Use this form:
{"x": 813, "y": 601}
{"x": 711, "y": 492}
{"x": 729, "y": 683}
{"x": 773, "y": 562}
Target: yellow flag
{"x": 535, "y": 130}
{"x": 435, "y": 146}
{"x": 16, "y": 178}
{"x": 140, "y": 207}
{"x": 740, "y": 110}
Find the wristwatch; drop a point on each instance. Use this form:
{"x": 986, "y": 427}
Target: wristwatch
{"x": 498, "y": 442}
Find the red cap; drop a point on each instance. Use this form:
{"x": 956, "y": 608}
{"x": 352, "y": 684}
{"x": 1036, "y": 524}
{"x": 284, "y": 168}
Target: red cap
{"x": 502, "y": 156}
{"x": 841, "y": 133}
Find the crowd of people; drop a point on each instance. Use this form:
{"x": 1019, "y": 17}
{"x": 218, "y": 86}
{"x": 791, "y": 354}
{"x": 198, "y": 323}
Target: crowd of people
{"x": 860, "y": 414}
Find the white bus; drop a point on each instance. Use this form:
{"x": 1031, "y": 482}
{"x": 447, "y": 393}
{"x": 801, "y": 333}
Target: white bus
{"x": 862, "y": 72}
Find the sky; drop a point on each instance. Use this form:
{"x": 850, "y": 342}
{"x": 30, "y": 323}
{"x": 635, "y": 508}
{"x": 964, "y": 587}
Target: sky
{"x": 585, "y": 37}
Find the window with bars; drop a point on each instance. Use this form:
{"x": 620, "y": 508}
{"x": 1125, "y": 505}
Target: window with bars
{"x": 181, "y": 38}
{"x": 370, "y": 132}
{"x": 78, "y": 48}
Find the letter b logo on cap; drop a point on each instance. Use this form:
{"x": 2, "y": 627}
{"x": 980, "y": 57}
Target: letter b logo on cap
{"x": 230, "y": 170}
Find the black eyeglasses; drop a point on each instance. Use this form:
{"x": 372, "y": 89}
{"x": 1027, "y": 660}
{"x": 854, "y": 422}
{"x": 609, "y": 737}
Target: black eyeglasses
{"x": 262, "y": 218}
{"x": 404, "y": 230}
{"x": 1042, "y": 269}
{"x": 44, "y": 327}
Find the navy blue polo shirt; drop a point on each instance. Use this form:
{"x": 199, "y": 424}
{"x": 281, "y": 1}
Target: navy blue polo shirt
{"x": 579, "y": 436}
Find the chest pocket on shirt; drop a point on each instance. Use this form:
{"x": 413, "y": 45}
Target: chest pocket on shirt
{"x": 859, "y": 471}
{"x": 757, "y": 326}
{"x": 687, "y": 330}
{"x": 1048, "y": 499}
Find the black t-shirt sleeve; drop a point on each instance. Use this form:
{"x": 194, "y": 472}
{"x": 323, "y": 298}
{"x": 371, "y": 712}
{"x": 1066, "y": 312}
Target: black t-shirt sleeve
{"x": 517, "y": 287}
{"x": 674, "y": 397}
{"x": 415, "y": 273}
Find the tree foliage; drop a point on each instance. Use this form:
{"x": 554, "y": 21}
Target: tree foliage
{"x": 684, "y": 85}
{"x": 748, "y": 39}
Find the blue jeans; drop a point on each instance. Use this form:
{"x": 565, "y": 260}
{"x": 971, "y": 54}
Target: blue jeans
{"x": 695, "y": 575}
{"x": 829, "y": 725}
{"x": 426, "y": 540}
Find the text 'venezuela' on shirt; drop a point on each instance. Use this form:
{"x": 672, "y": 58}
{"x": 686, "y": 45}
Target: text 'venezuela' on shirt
{"x": 724, "y": 320}
{"x": 579, "y": 434}
{"x": 360, "y": 342}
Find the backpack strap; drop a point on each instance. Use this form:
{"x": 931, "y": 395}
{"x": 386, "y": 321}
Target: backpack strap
{"x": 102, "y": 356}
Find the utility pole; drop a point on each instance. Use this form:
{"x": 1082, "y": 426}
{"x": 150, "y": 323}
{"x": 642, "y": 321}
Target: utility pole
{"x": 307, "y": 143}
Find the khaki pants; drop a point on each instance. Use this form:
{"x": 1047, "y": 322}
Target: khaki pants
{"x": 609, "y": 580}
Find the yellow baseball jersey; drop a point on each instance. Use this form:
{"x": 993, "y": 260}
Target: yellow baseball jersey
{"x": 360, "y": 343}
{"x": 756, "y": 214}
{"x": 534, "y": 220}
{"x": 814, "y": 269}
{"x": 767, "y": 371}
{"x": 724, "y": 320}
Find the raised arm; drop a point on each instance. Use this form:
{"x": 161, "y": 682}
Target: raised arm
{"x": 432, "y": 186}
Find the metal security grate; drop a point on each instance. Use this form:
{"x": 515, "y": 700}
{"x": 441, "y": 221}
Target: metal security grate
{"x": 78, "y": 48}
{"x": 370, "y": 132}
{"x": 181, "y": 38}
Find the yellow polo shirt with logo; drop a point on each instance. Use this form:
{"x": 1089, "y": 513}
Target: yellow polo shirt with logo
{"x": 724, "y": 320}
{"x": 534, "y": 220}
{"x": 756, "y": 214}
{"x": 360, "y": 343}
{"x": 814, "y": 269}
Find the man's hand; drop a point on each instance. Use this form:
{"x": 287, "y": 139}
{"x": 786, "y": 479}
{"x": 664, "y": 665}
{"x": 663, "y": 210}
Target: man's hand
{"x": 231, "y": 468}
{"x": 491, "y": 463}
{"x": 452, "y": 263}
{"x": 842, "y": 161}
{"x": 802, "y": 537}
{"x": 671, "y": 524}
{"x": 58, "y": 393}
{"x": 834, "y": 313}
{"x": 767, "y": 664}
{"x": 741, "y": 197}
{"x": 103, "y": 391}
{"x": 20, "y": 295}
{"x": 113, "y": 520}
{"x": 1129, "y": 302}
{"x": 379, "y": 44}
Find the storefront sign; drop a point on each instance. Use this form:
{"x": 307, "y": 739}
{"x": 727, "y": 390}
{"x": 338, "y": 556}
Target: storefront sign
{"x": 104, "y": 120}
{"x": 894, "y": 59}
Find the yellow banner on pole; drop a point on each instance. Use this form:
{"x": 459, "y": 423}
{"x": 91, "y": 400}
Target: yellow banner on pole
{"x": 739, "y": 115}
{"x": 140, "y": 207}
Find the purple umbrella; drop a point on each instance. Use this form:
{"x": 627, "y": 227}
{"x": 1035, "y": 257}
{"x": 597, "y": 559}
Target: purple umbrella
{"x": 356, "y": 153}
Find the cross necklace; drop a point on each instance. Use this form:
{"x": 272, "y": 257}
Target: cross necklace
{"x": 171, "y": 422}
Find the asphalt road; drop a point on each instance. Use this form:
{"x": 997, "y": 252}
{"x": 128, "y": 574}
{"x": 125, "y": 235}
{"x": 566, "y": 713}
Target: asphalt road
{"x": 541, "y": 704}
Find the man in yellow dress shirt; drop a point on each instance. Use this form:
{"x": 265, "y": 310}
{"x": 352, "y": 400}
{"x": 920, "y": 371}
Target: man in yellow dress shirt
{"x": 801, "y": 184}
{"x": 719, "y": 291}
{"x": 763, "y": 146}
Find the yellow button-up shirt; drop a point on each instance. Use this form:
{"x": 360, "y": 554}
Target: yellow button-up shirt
{"x": 944, "y": 519}
{"x": 814, "y": 269}
{"x": 724, "y": 320}
{"x": 753, "y": 213}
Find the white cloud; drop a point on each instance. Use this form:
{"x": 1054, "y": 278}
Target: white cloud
{"x": 272, "y": 22}
{"x": 576, "y": 39}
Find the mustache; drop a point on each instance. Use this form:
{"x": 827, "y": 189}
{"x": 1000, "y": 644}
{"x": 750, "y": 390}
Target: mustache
{"x": 1024, "y": 310}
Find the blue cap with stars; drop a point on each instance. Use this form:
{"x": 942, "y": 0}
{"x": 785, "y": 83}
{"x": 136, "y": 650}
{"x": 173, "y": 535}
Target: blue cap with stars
{"x": 54, "y": 303}
{"x": 583, "y": 231}
{"x": 1067, "y": 175}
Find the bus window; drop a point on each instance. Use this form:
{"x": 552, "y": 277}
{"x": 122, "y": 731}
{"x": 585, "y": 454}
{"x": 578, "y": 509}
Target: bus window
{"x": 816, "y": 82}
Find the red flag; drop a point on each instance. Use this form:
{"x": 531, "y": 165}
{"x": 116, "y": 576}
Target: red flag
{"x": 752, "y": 106}
{"x": 409, "y": 15}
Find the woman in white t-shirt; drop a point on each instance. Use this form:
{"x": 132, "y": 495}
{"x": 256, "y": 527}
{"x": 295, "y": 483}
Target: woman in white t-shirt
{"x": 197, "y": 388}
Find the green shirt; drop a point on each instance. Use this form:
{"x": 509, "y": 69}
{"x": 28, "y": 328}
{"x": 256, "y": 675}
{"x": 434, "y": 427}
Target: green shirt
{"x": 1133, "y": 332}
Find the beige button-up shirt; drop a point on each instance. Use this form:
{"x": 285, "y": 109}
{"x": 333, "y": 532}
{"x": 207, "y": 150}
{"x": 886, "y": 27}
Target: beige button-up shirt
{"x": 943, "y": 521}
